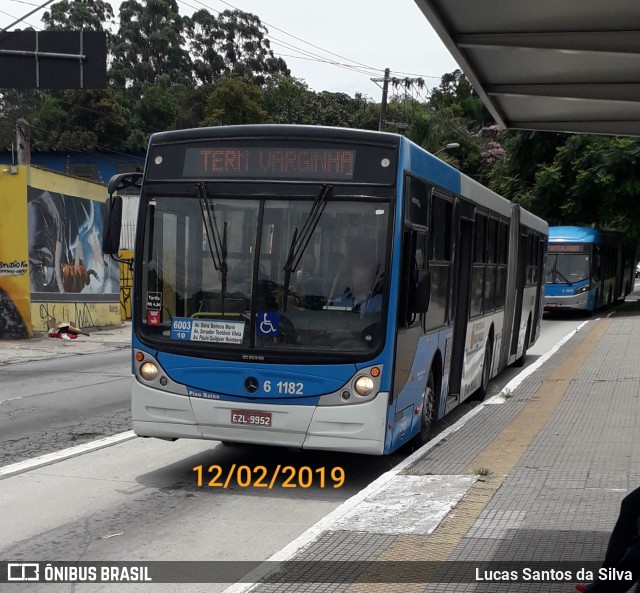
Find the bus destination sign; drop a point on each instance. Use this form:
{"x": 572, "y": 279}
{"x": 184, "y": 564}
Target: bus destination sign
{"x": 565, "y": 248}
{"x": 253, "y": 162}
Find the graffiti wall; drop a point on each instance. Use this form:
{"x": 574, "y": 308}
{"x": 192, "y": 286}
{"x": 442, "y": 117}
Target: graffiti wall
{"x": 15, "y": 322}
{"x": 81, "y": 314}
{"x": 51, "y": 260}
{"x": 70, "y": 279}
{"x": 65, "y": 245}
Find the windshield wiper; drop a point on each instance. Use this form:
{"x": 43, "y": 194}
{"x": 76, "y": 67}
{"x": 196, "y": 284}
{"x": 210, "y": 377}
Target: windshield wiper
{"x": 300, "y": 241}
{"x": 563, "y": 277}
{"x": 217, "y": 244}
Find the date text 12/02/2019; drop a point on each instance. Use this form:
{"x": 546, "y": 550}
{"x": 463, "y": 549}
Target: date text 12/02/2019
{"x": 287, "y": 476}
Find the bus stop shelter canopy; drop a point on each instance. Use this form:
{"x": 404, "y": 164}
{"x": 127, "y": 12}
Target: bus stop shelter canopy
{"x": 553, "y": 65}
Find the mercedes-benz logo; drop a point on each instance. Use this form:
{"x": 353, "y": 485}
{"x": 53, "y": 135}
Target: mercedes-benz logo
{"x": 251, "y": 384}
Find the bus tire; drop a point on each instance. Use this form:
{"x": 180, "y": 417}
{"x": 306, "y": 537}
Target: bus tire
{"x": 427, "y": 413}
{"x": 482, "y": 391}
{"x": 590, "y": 312}
{"x": 519, "y": 362}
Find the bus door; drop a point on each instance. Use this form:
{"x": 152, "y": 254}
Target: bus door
{"x": 520, "y": 282}
{"x": 464, "y": 255}
{"x": 413, "y": 354}
{"x": 619, "y": 282}
{"x": 541, "y": 266}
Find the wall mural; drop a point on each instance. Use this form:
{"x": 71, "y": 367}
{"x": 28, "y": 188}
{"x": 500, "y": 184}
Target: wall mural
{"x": 12, "y": 326}
{"x": 65, "y": 245}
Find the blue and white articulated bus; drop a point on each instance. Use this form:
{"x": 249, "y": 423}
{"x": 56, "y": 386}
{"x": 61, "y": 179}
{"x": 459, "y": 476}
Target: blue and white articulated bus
{"x": 319, "y": 288}
{"x": 587, "y": 268}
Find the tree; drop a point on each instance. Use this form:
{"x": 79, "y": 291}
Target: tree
{"x": 156, "y": 108}
{"x": 14, "y": 105}
{"x": 284, "y": 99}
{"x": 79, "y": 120}
{"x": 338, "y": 109}
{"x": 76, "y": 15}
{"x": 592, "y": 181}
{"x": 233, "y": 43}
{"x": 235, "y": 101}
{"x": 455, "y": 92}
{"x": 526, "y": 152}
{"x": 150, "y": 43}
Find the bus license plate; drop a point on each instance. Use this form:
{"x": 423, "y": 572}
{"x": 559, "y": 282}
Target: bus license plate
{"x": 251, "y": 418}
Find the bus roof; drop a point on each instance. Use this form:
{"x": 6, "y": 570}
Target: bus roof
{"x": 578, "y": 234}
{"x": 274, "y": 130}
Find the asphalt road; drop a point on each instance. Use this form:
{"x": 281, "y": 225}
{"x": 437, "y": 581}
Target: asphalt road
{"x": 53, "y": 404}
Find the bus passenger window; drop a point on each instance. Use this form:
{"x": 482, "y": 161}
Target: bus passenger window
{"x": 439, "y": 261}
{"x": 479, "y": 259}
{"x": 417, "y": 195}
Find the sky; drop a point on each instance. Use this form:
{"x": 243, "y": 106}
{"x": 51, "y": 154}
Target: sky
{"x": 333, "y": 45}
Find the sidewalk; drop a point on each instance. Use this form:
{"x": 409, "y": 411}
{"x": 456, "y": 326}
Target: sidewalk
{"x": 534, "y": 481}
{"x": 42, "y": 347}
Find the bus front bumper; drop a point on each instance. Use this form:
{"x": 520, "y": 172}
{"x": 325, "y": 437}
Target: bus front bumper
{"x": 358, "y": 428}
{"x": 575, "y": 302}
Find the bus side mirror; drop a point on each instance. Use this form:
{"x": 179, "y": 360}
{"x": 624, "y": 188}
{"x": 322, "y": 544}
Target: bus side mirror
{"x": 423, "y": 292}
{"x": 112, "y": 225}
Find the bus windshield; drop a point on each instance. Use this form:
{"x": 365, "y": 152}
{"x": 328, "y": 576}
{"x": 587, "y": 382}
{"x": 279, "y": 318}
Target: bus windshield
{"x": 214, "y": 270}
{"x": 567, "y": 268}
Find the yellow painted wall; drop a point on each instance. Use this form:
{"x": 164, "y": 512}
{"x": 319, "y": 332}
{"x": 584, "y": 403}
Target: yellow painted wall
{"x": 126, "y": 285}
{"x": 66, "y": 184}
{"x": 15, "y": 296}
{"x": 82, "y": 314}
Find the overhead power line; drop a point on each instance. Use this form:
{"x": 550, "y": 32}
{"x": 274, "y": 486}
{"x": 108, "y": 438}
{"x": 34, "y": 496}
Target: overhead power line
{"x": 305, "y": 54}
{"x": 27, "y": 15}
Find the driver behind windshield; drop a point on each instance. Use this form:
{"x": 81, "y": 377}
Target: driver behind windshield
{"x": 362, "y": 291}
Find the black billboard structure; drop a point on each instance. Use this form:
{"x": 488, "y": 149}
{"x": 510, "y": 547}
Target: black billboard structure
{"x": 53, "y": 60}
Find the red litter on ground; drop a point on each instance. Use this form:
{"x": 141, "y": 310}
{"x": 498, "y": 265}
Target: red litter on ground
{"x": 64, "y": 330}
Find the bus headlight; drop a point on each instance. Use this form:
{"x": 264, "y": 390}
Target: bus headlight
{"x": 149, "y": 371}
{"x": 364, "y": 385}
{"x": 582, "y": 289}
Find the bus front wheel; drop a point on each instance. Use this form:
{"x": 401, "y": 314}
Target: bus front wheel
{"x": 427, "y": 414}
{"x": 482, "y": 391}
{"x": 527, "y": 336}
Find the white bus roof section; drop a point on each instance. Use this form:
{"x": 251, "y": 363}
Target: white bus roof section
{"x": 552, "y": 65}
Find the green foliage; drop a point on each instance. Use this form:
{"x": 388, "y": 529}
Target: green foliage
{"x": 75, "y": 15}
{"x": 456, "y": 93}
{"x": 235, "y": 42}
{"x": 340, "y": 110}
{"x": 284, "y": 99}
{"x": 150, "y": 43}
{"x": 234, "y": 101}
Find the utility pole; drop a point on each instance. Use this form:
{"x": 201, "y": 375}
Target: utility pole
{"x": 407, "y": 83}
{"x": 23, "y": 141}
{"x": 385, "y": 89}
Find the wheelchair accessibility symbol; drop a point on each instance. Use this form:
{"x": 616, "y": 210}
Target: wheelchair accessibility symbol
{"x": 268, "y": 324}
